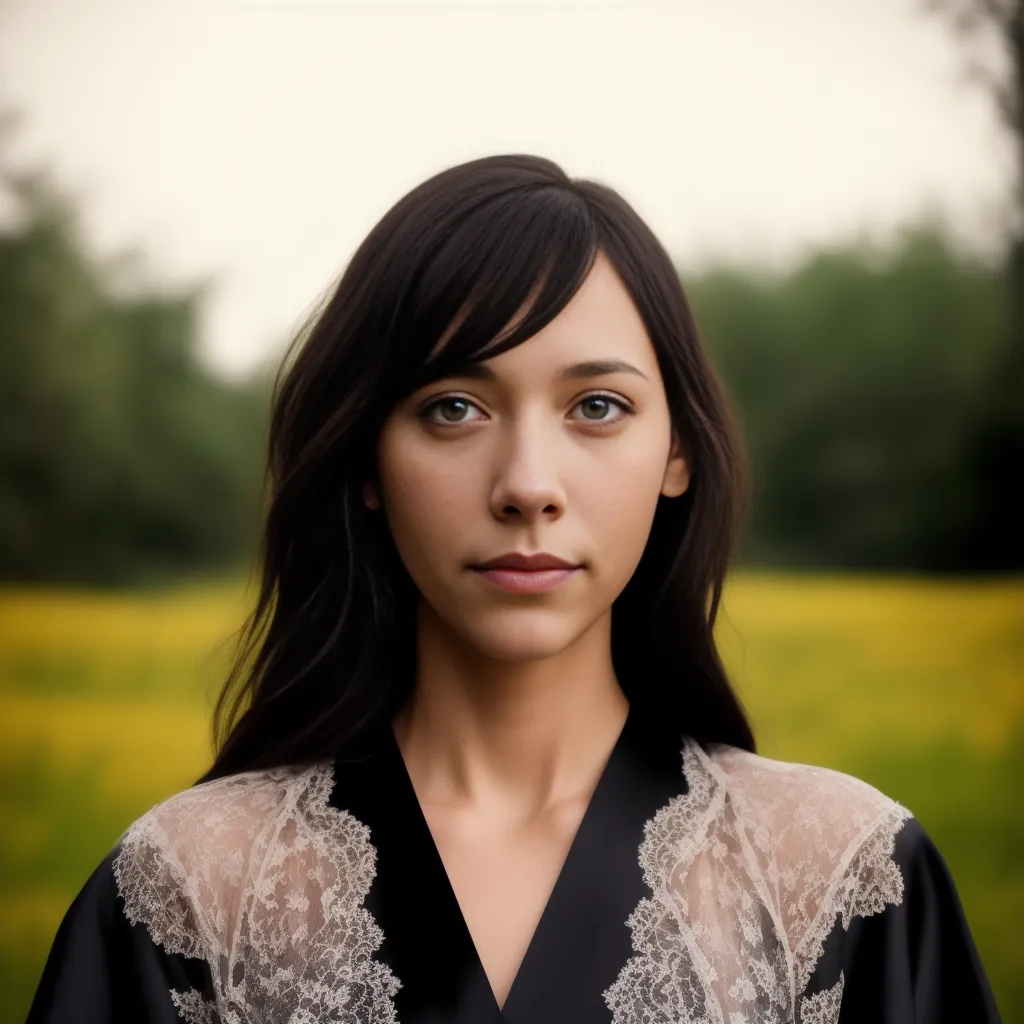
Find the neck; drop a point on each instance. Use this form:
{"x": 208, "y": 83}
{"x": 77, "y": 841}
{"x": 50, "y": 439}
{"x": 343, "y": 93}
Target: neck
{"x": 521, "y": 736}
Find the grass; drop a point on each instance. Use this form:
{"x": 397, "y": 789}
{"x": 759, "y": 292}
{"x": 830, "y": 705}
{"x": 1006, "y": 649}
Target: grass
{"x": 914, "y": 686}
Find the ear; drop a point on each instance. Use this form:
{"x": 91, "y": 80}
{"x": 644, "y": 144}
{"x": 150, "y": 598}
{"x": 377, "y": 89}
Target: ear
{"x": 677, "y": 470}
{"x": 371, "y": 497}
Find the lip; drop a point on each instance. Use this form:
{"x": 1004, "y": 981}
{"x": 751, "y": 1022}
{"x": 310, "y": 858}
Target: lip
{"x": 526, "y": 563}
{"x": 527, "y": 581}
{"x": 519, "y": 573}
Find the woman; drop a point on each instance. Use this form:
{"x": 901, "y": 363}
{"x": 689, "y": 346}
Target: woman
{"x": 481, "y": 761}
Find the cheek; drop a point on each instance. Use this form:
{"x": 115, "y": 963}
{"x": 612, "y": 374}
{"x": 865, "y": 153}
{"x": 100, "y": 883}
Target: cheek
{"x": 424, "y": 499}
{"x": 621, "y": 505}
{"x": 618, "y": 500}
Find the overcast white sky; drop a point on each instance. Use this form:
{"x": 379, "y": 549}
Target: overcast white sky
{"x": 259, "y": 140}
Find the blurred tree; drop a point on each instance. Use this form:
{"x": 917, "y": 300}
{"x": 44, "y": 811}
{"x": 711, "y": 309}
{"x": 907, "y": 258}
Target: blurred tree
{"x": 860, "y": 379}
{"x": 121, "y": 458}
{"x": 997, "y": 462}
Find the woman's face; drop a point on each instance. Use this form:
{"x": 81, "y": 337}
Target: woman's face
{"x": 543, "y": 454}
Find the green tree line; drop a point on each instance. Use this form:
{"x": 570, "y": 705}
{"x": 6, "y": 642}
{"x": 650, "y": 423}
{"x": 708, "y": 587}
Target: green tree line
{"x": 122, "y": 460}
{"x": 864, "y": 380}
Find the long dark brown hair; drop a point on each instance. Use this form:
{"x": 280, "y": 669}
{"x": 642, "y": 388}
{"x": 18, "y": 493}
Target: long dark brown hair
{"x": 328, "y": 653}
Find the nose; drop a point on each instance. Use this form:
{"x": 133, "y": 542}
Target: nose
{"x": 527, "y": 478}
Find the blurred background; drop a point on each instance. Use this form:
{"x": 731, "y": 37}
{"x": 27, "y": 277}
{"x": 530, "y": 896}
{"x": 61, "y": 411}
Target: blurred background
{"x": 839, "y": 182}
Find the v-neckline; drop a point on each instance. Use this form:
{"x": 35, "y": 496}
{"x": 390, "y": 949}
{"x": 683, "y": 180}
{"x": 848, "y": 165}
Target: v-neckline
{"x": 543, "y": 925}
{"x": 582, "y": 939}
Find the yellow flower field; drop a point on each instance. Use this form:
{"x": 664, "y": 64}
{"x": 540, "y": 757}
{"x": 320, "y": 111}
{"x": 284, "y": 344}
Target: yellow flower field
{"x": 914, "y": 686}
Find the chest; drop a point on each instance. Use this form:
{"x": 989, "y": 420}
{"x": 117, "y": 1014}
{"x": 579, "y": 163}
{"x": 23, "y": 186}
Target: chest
{"x": 502, "y": 877}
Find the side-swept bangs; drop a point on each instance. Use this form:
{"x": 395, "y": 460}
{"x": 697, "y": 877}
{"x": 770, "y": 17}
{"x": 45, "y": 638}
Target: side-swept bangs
{"x": 500, "y": 266}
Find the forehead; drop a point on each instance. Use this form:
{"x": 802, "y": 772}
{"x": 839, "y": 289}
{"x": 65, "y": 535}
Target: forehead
{"x": 601, "y": 321}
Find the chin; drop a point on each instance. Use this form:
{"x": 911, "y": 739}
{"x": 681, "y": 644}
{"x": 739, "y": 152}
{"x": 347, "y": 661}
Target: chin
{"x": 524, "y": 637}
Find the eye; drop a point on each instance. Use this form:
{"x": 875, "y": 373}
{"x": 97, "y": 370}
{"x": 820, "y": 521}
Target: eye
{"x": 596, "y": 407}
{"x": 452, "y": 410}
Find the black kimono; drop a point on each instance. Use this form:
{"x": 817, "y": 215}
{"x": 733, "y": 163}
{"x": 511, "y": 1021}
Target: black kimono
{"x": 703, "y": 887}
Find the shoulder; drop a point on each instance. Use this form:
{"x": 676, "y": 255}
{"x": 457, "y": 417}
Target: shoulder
{"x": 830, "y": 809}
{"x": 830, "y": 835}
{"x": 191, "y": 867}
{"x": 816, "y": 845}
{"x": 793, "y": 816}
{"x": 262, "y": 879}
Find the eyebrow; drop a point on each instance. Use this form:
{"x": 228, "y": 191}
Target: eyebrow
{"x": 577, "y": 371}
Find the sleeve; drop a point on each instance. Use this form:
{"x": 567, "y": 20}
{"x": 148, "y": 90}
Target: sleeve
{"x": 102, "y": 968}
{"x": 916, "y": 962}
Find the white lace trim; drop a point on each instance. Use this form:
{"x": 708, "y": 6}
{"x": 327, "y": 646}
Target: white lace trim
{"x": 748, "y": 871}
{"x": 257, "y": 875}
{"x": 823, "y": 1006}
{"x": 193, "y": 1008}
